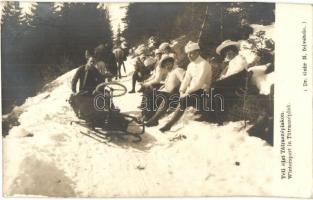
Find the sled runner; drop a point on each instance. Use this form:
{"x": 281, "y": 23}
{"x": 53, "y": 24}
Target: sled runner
{"x": 98, "y": 113}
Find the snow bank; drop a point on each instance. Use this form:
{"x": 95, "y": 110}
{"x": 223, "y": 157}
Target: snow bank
{"x": 47, "y": 156}
{"x": 269, "y": 29}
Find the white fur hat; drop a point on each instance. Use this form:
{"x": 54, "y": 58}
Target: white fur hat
{"x": 226, "y": 43}
{"x": 191, "y": 46}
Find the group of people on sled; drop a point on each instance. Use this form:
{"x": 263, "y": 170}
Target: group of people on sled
{"x": 167, "y": 85}
{"x": 160, "y": 73}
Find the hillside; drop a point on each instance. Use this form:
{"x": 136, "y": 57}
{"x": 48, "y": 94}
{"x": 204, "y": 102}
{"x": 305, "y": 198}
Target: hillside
{"x": 47, "y": 156}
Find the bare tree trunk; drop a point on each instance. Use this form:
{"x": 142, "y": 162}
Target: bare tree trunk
{"x": 221, "y": 23}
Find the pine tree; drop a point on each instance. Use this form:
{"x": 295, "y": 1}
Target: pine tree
{"x": 10, "y": 24}
{"x": 144, "y": 20}
{"x": 84, "y": 26}
{"x": 170, "y": 20}
{"x": 118, "y": 36}
{"x": 10, "y": 59}
{"x": 45, "y": 30}
{"x": 42, "y": 44}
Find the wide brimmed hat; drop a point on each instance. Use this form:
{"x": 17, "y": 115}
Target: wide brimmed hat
{"x": 226, "y": 43}
{"x": 149, "y": 61}
{"x": 142, "y": 56}
{"x": 191, "y": 46}
{"x": 157, "y": 51}
{"x": 165, "y": 58}
{"x": 163, "y": 46}
{"x": 140, "y": 49}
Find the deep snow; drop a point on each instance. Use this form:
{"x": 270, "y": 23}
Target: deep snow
{"x": 47, "y": 156}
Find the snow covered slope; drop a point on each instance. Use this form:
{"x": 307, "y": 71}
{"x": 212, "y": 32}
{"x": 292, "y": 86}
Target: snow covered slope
{"x": 47, "y": 156}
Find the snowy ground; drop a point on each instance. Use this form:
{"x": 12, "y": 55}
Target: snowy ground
{"x": 47, "y": 156}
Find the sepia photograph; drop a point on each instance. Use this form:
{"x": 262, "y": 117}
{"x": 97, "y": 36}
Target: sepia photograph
{"x": 138, "y": 99}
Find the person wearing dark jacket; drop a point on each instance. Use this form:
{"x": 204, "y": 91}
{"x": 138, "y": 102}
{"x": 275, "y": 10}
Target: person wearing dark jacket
{"x": 140, "y": 74}
{"x": 83, "y": 101}
{"x": 88, "y": 77}
{"x": 106, "y": 62}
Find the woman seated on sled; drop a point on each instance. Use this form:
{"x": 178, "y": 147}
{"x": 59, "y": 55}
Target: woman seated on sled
{"x": 159, "y": 76}
{"x": 237, "y": 58}
{"x": 158, "y": 73}
{"x": 194, "y": 85}
{"x": 168, "y": 94}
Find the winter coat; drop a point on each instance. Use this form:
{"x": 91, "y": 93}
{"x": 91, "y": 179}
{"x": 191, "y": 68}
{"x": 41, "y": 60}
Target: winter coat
{"x": 141, "y": 69}
{"x": 119, "y": 55}
{"x": 236, "y": 65}
{"x": 102, "y": 53}
{"x": 110, "y": 62}
{"x": 88, "y": 79}
{"x": 126, "y": 53}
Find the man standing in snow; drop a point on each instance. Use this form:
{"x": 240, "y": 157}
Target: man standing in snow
{"x": 106, "y": 62}
{"x": 119, "y": 56}
{"x": 194, "y": 85}
{"x": 126, "y": 53}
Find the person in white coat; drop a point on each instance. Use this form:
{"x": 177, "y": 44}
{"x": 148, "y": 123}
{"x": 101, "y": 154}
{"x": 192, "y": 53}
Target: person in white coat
{"x": 233, "y": 62}
{"x": 196, "y": 82}
{"x": 165, "y": 66}
{"x": 168, "y": 93}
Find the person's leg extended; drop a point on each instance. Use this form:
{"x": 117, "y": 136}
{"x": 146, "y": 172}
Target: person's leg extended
{"x": 178, "y": 113}
{"x": 124, "y": 67}
{"x": 146, "y": 103}
{"x": 191, "y": 100}
{"x": 154, "y": 120}
{"x": 176, "y": 116}
{"x": 119, "y": 70}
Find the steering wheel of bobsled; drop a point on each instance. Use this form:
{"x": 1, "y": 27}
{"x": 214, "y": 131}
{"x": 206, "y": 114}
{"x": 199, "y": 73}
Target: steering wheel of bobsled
{"x": 107, "y": 124}
{"x": 116, "y": 89}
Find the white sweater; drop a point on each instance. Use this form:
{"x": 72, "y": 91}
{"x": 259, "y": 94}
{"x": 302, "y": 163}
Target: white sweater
{"x": 198, "y": 76}
{"x": 160, "y": 75}
{"x": 173, "y": 79}
{"x": 236, "y": 65}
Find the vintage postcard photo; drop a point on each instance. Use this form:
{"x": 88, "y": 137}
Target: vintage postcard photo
{"x": 156, "y": 99}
